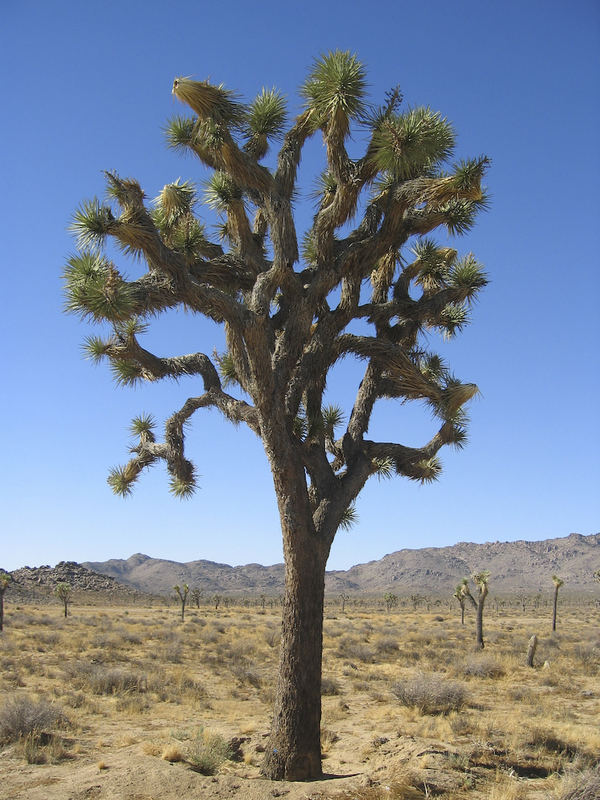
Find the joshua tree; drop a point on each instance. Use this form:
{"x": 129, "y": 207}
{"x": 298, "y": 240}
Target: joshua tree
{"x": 480, "y": 580}
{"x": 182, "y": 594}
{"x": 4, "y": 583}
{"x": 196, "y": 595}
{"x": 217, "y": 601}
{"x": 344, "y": 599}
{"x": 461, "y": 597}
{"x": 63, "y": 592}
{"x": 558, "y": 582}
{"x": 390, "y": 600}
{"x": 289, "y": 312}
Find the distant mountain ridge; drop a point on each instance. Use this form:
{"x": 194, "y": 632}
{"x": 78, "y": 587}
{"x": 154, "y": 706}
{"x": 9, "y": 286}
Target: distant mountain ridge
{"x": 515, "y": 567}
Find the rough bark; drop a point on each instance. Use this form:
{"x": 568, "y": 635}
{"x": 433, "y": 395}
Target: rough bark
{"x": 479, "y": 630}
{"x": 531, "y": 648}
{"x": 294, "y": 747}
{"x": 554, "y": 608}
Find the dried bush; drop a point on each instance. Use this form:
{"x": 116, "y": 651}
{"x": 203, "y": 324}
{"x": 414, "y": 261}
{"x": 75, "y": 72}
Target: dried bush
{"x": 352, "y": 648}
{"x": 483, "y": 666}
{"x": 106, "y": 680}
{"x": 329, "y": 686}
{"x": 21, "y": 717}
{"x": 387, "y": 645}
{"x": 207, "y": 752}
{"x": 431, "y": 694}
{"x": 581, "y": 786}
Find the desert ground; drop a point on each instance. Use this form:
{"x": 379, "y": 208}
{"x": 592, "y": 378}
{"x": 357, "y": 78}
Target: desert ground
{"x": 131, "y": 703}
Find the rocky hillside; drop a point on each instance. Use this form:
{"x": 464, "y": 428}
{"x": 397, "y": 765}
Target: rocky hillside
{"x": 38, "y": 584}
{"x": 515, "y": 567}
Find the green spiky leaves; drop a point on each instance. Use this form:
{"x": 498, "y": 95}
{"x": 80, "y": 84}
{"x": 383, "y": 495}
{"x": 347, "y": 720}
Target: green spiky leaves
{"x": 349, "y": 518}
{"x": 335, "y": 89}
{"x": 95, "y": 289}
{"x": 427, "y": 470}
{"x": 333, "y": 417}
{"x": 221, "y": 192}
{"x": 406, "y": 144}
{"x": 143, "y": 426}
{"x": 95, "y": 348}
{"x": 182, "y": 488}
{"x": 121, "y": 480}
{"x": 468, "y": 274}
{"x": 91, "y": 224}
{"x": 175, "y": 201}
{"x": 227, "y": 369}
{"x": 265, "y": 120}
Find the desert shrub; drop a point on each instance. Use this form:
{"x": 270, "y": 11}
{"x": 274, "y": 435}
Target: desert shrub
{"x": 173, "y": 653}
{"x": 207, "y": 752}
{"x": 482, "y": 666}
{"x": 42, "y": 748}
{"x": 581, "y": 786}
{"x": 386, "y": 645}
{"x": 329, "y": 686}
{"x": 352, "y": 648}
{"x": 184, "y": 684}
{"x": 133, "y": 704}
{"x": 106, "y": 680}
{"x": 22, "y": 716}
{"x": 588, "y": 656}
{"x": 431, "y": 694}
{"x": 246, "y": 676}
{"x": 328, "y": 738}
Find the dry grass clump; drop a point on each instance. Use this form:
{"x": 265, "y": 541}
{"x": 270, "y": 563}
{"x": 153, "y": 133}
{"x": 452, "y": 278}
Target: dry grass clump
{"x": 329, "y": 686}
{"x": 482, "y": 666}
{"x": 431, "y": 694}
{"x": 29, "y": 723}
{"x": 99, "y": 679}
{"x": 581, "y": 786}
{"x": 207, "y": 751}
{"x": 23, "y": 716}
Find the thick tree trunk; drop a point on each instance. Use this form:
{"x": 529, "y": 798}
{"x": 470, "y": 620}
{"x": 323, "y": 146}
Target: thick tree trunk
{"x": 294, "y": 748}
{"x": 554, "y": 608}
{"x": 480, "y": 644}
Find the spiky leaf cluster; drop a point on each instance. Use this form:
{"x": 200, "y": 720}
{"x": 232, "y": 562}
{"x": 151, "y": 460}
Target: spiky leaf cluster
{"x": 405, "y": 145}
{"x": 335, "y": 89}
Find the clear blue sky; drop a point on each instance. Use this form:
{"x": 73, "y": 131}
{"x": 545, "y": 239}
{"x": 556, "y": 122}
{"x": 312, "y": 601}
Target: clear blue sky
{"x": 87, "y": 87}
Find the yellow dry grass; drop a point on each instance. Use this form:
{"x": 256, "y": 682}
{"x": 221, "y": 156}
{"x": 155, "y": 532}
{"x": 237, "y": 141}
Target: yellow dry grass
{"x": 138, "y": 686}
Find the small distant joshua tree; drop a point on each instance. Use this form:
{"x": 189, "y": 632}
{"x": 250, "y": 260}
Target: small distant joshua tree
{"x": 63, "y": 592}
{"x": 480, "y": 579}
{"x": 558, "y": 582}
{"x": 344, "y": 599}
{"x": 390, "y": 600}
{"x": 182, "y": 593}
{"x": 4, "y": 583}
{"x": 196, "y": 595}
{"x": 461, "y": 597}
{"x": 217, "y": 601}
